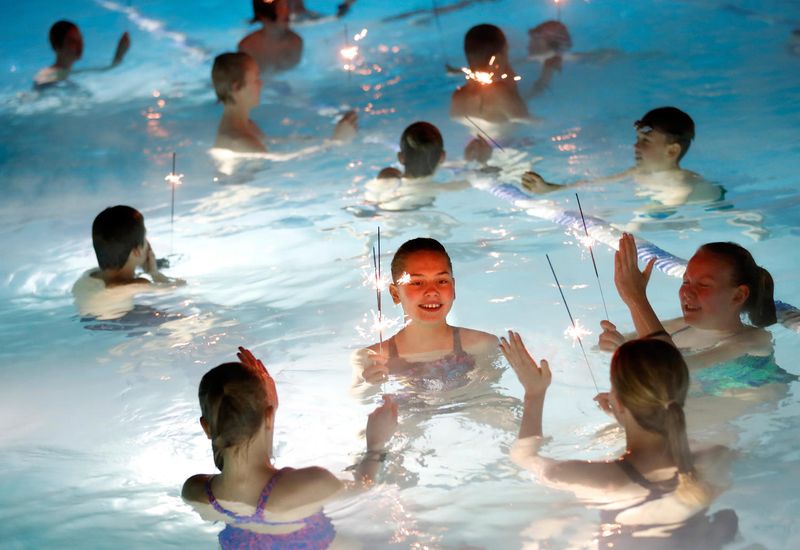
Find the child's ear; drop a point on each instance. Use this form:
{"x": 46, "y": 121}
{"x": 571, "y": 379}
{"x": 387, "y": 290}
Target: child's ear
{"x": 741, "y": 294}
{"x": 204, "y": 424}
{"x": 674, "y": 150}
{"x": 393, "y": 292}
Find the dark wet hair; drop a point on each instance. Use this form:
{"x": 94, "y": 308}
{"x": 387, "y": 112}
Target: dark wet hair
{"x": 422, "y": 147}
{"x": 265, "y": 9}
{"x": 481, "y": 43}
{"x": 235, "y": 399}
{"x": 420, "y": 244}
{"x": 676, "y": 125}
{"x": 651, "y": 380}
{"x": 229, "y": 69}
{"x": 116, "y": 231}
{"x": 59, "y": 31}
{"x": 760, "y": 304}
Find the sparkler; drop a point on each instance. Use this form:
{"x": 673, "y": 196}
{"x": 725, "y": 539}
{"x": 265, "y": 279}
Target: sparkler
{"x": 481, "y": 130}
{"x": 558, "y": 9}
{"x": 376, "y": 264}
{"x": 589, "y": 241}
{"x": 576, "y": 331}
{"x": 174, "y": 180}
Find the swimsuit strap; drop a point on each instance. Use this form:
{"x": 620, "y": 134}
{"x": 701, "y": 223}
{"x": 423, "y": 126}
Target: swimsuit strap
{"x": 635, "y": 476}
{"x": 457, "y": 349}
{"x": 392, "y": 349}
{"x": 262, "y": 500}
{"x": 214, "y": 504}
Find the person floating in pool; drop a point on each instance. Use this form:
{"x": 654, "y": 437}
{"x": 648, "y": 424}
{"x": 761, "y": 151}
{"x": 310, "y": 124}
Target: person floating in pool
{"x": 264, "y": 506}
{"x": 274, "y": 47}
{"x": 122, "y": 250}
{"x": 663, "y": 137}
{"x": 490, "y": 93}
{"x": 721, "y": 284}
{"x": 427, "y": 354}
{"x": 237, "y": 84}
{"x": 659, "y": 488}
{"x": 67, "y": 43}
{"x": 547, "y": 42}
{"x": 421, "y": 152}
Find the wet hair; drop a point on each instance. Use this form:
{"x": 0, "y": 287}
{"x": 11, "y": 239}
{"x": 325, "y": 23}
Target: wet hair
{"x": 116, "y": 231}
{"x": 677, "y": 126}
{"x": 422, "y": 147}
{"x": 553, "y": 34}
{"x": 235, "y": 399}
{"x": 760, "y": 305}
{"x": 420, "y": 244}
{"x": 229, "y": 69}
{"x": 265, "y": 9}
{"x": 59, "y": 31}
{"x": 481, "y": 43}
{"x": 651, "y": 380}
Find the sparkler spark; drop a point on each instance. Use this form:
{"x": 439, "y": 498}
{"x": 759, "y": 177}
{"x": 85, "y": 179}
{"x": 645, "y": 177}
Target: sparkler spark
{"x": 349, "y": 53}
{"x": 360, "y": 35}
{"x": 404, "y": 279}
{"x": 374, "y": 323}
{"x": 576, "y": 332}
{"x": 174, "y": 179}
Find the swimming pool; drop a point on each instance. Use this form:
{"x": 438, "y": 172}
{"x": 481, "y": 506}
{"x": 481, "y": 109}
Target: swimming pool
{"x": 99, "y": 427}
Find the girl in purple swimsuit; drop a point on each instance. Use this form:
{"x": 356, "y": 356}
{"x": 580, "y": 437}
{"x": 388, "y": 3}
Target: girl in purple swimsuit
{"x": 266, "y": 507}
{"x": 427, "y": 354}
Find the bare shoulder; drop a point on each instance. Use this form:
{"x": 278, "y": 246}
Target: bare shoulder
{"x": 304, "y": 487}
{"x": 250, "y": 42}
{"x": 194, "y": 488}
{"x": 587, "y": 474}
{"x": 477, "y": 340}
{"x": 759, "y": 341}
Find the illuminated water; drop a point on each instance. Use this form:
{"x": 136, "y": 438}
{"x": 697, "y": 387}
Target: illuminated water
{"x": 99, "y": 428}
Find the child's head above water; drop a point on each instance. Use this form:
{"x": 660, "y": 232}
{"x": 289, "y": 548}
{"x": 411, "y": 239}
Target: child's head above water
{"x": 272, "y": 11}
{"x": 236, "y": 400}
{"x": 663, "y": 137}
{"x": 481, "y": 44}
{"x": 423, "y": 282}
{"x": 116, "y": 232}
{"x": 231, "y": 73}
{"x": 421, "y": 149}
{"x": 549, "y": 38}
{"x": 650, "y": 380}
{"x": 66, "y": 35}
{"x": 722, "y": 281}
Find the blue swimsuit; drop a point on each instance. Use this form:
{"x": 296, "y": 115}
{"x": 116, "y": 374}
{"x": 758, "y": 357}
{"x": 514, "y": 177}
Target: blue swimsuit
{"x": 317, "y": 531}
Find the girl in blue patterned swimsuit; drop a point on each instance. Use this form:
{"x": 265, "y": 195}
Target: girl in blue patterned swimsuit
{"x": 721, "y": 283}
{"x": 265, "y": 507}
{"x": 427, "y": 354}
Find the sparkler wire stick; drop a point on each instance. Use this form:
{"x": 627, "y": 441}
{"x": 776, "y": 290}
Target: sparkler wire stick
{"x": 578, "y": 338}
{"x": 347, "y": 46}
{"x": 481, "y": 130}
{"x": 375, "y": 265}
{"x": 591, "y": 253}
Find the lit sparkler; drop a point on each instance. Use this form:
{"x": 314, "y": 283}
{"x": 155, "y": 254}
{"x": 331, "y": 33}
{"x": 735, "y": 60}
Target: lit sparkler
{"x": 174, "y": 180}
{"x": 558, "y": 9}
{"x": 404, "y": 279}
{"x": 376, "y": 264}
{"x": 587, "y": 241}
{"x": 574, "y": 331}
{"x": 577, "y": 331}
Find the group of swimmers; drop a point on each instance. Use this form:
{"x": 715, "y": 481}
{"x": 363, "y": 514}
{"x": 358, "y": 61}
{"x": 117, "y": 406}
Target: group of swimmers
{"x": 719, "y": 344}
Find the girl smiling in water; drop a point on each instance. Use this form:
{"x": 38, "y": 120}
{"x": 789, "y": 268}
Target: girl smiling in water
{"x": 428, "y": 353}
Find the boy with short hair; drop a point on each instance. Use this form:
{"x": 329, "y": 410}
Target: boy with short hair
{"x": 491, "y": 92}
{"x": 421, "y": 152}
{"x": 237, "y": 84}
{"x": 122, "y": 249}
{"x": 67, "y": 43}
{"x": 663, "y": 137}
{"x": 274, "y": 47}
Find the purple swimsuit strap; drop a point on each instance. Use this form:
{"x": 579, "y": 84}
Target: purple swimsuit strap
{"x": 257, "y": 517}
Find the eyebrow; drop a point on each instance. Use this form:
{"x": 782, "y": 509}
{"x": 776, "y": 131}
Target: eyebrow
{"x": 422, "y": 274}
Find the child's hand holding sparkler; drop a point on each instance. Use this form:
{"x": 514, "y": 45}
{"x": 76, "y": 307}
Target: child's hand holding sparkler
{"x": 122, "y": 48}
{"x": 603, "y": 400}
{"x": 346, "y": 128}
{"x": 376, "y": 370}
{"x": 610, "y": 339}
{"x": 534, "y": 378}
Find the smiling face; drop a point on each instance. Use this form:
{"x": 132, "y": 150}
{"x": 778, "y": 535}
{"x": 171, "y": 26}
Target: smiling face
{"x": 427, "y": 289}
{"x": 653, "y": 151}
{"x": 709, "y": 298}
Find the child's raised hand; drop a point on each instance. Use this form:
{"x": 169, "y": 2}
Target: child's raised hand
{"x": 246, "y": 357}
{"x": 631, "y": 283}
{"x": 377, "y": 370}
{"x": 381, "y": 424}
{"x": 534, "y": 378}
{"x": 346, "y": 128}
{"x": 610, "y": 339}
{"x": 603, "y": 400}
{"x": 122, "y": 48}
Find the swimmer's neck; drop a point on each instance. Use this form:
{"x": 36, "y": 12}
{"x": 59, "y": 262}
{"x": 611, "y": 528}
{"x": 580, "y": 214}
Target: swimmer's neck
{"x": 236, "y": 116}
{"x": 117, "y": 277}
{"x": 652, "y": 171}
{"x": 646, "y": 449}
{"x": 425, "y": 336}
{"x": 64, "y": 62}
{"x": 243, "y": 466}
{"x": 274, "y": 29}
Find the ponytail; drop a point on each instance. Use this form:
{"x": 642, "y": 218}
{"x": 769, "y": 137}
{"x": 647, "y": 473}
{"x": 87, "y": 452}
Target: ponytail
{"x": 690, "y": 490}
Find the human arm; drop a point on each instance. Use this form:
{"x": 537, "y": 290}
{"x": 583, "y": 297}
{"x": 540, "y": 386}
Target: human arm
{"x": 381, "y": 425}
{"x": 346, "y": 128}
{"x": 534, "y": 183}
{"x": 123, "y": 46}
{"x": 479, "y": 150}
{"x": 151, "y": 268}
{"x": 549, "y": 67}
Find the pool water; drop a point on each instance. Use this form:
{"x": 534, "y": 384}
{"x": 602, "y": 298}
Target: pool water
{"x": 99, "y": 423}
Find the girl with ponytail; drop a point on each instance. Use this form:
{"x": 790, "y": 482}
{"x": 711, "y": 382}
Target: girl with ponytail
{"x": 659, "y": 479}
{"x": 263, "y": 506}
{"x": 721, "y": 285}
